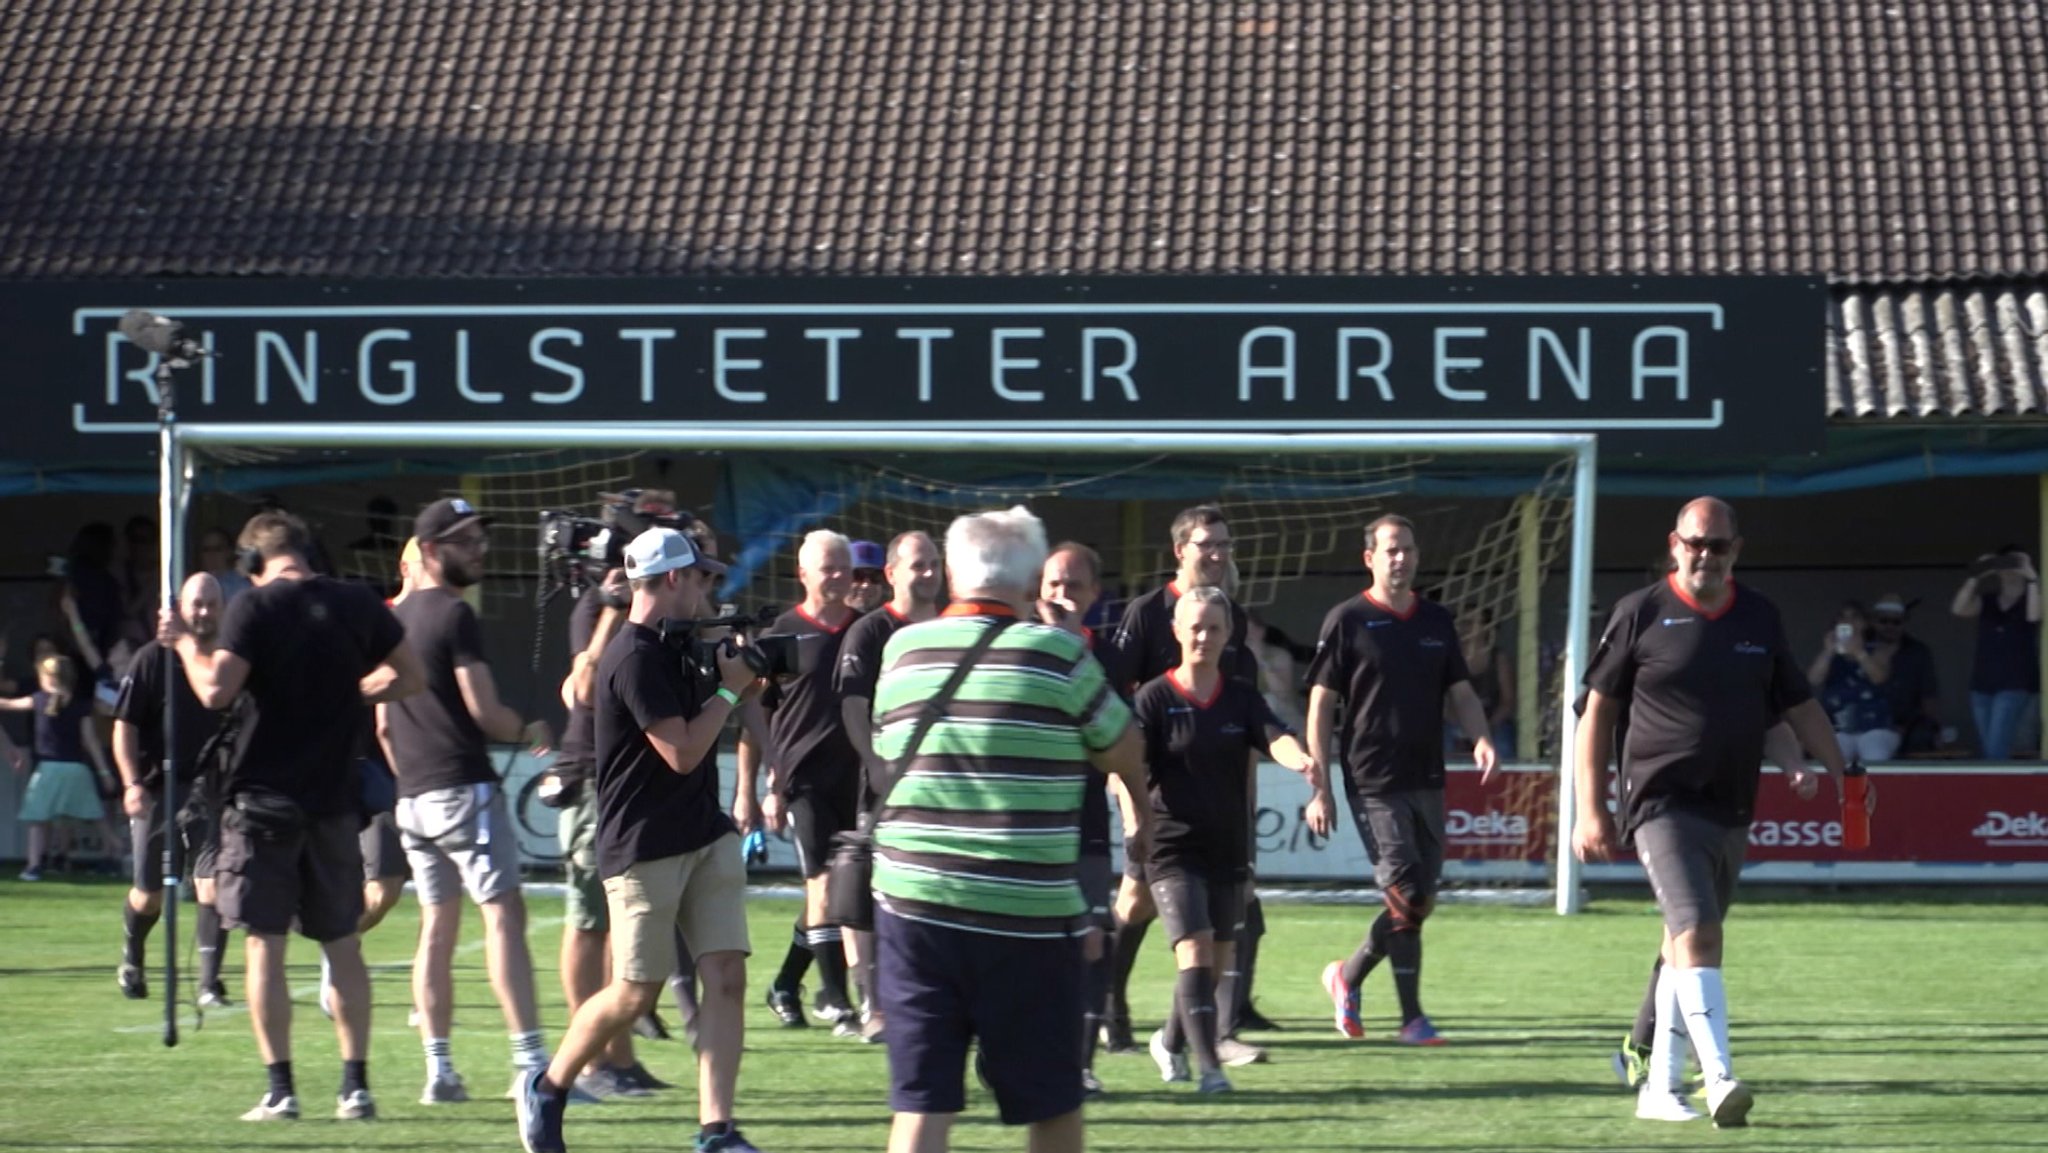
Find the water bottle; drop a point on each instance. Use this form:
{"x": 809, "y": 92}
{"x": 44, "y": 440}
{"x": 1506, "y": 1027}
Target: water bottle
{"x": 1855, "y": 806}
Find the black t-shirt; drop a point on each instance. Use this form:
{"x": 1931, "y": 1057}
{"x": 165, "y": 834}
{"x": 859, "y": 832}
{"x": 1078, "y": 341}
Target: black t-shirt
{"x": 141, "y": 703}
{"x": 646, "y": 811}
{"x": 1701, "y": 691}
{"x": 1146, "y": 647}
{"x": 1198, "y": 773}
{"x": 60, "y": 737}
{"x": 579, "y": 737}
{"x": 2007, "y": 645}
{"x": 806, "y": 737}
{"x": 308, "y": 644}
{"x": 1095, "y": 797}
{"x": 1912, "y": 681}
{"x": 1393, "y": 672}
{"x": 860, "y": 664}
{"x": 437, "y": 744}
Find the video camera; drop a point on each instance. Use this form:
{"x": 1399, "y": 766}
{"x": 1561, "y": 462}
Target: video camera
{"x": 576, "y": 551}
{"x": 774, "y": 656}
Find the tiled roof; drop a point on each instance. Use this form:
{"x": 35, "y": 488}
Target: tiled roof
{"x": 1893, "y": 142}
{"x": 1939, "y": 354}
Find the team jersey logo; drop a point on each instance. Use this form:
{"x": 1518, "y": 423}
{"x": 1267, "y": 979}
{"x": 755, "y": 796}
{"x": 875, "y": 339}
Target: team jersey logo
{"x": 1431, "y": 642}
{"x": 1667, "y": 622}
{"x": 1750, "y": 649}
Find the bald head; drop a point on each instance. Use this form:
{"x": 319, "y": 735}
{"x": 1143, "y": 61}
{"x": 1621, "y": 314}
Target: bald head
{"x": 200, "y": 601}
{"x": 1707, "y": 514}
{"x": 1704, "y": 545}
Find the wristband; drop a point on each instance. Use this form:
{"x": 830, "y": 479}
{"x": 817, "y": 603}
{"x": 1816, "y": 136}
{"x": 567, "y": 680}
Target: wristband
{"x": 728, "y": 696}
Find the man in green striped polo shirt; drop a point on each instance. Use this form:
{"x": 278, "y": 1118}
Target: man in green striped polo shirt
{"x": 980, "y": 922}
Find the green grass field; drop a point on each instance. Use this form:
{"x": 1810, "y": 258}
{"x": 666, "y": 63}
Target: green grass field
{"x": 1911, "y": 1022}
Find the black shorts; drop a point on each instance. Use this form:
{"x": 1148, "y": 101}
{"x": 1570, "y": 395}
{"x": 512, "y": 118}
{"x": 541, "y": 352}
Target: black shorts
{"x": 1134, "y": 862}
{"x": 198, "y": 841}
{"x": 1092, "y": 870}
{"x": 1404, "y": 839}
{"x": 1693, "y": 863}
{"x": 314, "y": 876}
{"x": 815, "y": 816}
{"x": 1190, "y": 902}
{"x": 383, "y": 851}
{"x": 1020, "y": 998}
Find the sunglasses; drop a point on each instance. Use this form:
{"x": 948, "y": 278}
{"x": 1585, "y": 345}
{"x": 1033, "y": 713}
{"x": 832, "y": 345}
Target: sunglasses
{"x": 867, "y": 576}
{"x": 1707, "y": 545}
{"x": 1887, "y": 620}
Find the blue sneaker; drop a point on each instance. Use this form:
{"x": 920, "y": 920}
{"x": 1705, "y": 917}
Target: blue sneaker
{"x": 1421, "y": 1032}
{"x": 540, "y": 1115}
{"x": 726, "y": 1140}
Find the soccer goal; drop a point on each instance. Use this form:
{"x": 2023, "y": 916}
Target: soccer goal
{"x": 1505, "y": 522}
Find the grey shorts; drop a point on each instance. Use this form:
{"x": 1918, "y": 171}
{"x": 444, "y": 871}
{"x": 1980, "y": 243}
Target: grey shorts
{"x": 1404, "y": 839}
{"x": 457, "y": 839}
{"x": 1693, "y": 864}
{"x": 1191, "y": 903}
{"x": 383, "y": 851}
{"x": 576, "y": 828}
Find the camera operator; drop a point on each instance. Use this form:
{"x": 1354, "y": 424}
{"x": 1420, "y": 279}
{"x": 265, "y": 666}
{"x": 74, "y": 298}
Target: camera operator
{"x": 304, "y": 652}
{"x": 813, "y": 775}
{"x": 914, "y": 574}
{"x": 452, "y": 813}
{"x": 669, "y": 854}
{"x": 139, "y": 754}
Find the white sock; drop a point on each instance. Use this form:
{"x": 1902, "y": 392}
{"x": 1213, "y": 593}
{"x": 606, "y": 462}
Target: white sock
{"x": 440, "y": 1062}
{"x": 1705, "y": 1002}
{"x": 1667, "y": 1051}
{"x": 527, "y": 1050}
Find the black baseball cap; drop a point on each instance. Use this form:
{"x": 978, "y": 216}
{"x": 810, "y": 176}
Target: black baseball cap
{"x": 441, "y": 519}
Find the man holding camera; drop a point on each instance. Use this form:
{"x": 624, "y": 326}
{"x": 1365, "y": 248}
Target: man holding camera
{"x": 669, "y": 853}
{"x": 813, "y": 775}
{"x": 913, "y": 571}
{"x": 452, "y": 812}
{"x": 139, "y": 754}
{"x": 305, "y": 652}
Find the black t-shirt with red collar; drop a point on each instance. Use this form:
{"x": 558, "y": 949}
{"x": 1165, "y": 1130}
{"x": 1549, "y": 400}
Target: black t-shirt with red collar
{"x": 1393, "y": 671}
{"x": 1198, "y": 772}
{"x": 1701, "y": 689}
{"x": 1145, "y": 646}
{"x": 1095, "y": 798}
{"x": 806, "y": 738}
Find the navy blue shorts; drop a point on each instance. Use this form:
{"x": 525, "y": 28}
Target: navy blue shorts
{"x": 1020, "y": 999}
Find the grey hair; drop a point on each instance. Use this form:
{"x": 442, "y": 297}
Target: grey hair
{"x": 1204, "y": 595}
{"x": 995, "y": 552}
{"x": 820, "y": 539}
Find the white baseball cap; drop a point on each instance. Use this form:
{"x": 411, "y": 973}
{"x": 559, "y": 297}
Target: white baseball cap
{"x": 660, "y": 550}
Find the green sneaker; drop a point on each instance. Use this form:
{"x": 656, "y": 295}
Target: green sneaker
{"x": 1631, "y": 1065}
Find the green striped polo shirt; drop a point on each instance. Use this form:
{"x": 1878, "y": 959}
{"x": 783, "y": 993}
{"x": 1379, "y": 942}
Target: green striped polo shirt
{"x": 983, "y": 826}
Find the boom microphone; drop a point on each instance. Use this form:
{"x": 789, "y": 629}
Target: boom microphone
{"x": 161, "y": 335}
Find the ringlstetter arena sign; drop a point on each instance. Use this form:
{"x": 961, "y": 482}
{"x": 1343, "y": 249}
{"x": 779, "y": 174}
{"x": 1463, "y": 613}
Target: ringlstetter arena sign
{"x": 1700, "y": 366}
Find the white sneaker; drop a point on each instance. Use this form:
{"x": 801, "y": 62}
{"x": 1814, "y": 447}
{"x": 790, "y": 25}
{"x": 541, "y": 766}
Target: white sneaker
{"x": 355, "y": 1106}
{"x": 282, "y": 1109}
{"x": 447, "y": 1090}
{"x": 1729, "y": 1102}
{"x": 1654, "y": 1104}
{"x": 1235, "y": 1054}
{"x": 1172, "y": 1066}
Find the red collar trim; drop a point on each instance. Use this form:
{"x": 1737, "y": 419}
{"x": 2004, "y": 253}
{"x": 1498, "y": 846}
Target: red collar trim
{"x": 821, "y": 624}
{"x": 890, "y": 608}
{"x": 974, "y": 608}
{"x": 1173, "y": 588}
{"x": 1678, "y": 591}
{"x": 1088, "y": 635}
{"x": 1397, "y": 614}
{"x": 1173, "y": 677}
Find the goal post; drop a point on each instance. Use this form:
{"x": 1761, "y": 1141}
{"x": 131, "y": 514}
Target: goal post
{"x": 1521, "y": 536}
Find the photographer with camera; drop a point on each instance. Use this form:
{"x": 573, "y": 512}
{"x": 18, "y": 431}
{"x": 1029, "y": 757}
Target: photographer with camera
{"x": 2003, "y": 592}
{"x": 915, "y": 577}
{"x": 305, "y": 653}
{"x": 669, "y": 854}
{"x": 452, "y": 812}
{"x": 813, "y": 775}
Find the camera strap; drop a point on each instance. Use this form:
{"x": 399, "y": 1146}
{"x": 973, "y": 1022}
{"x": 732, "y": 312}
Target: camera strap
{"x": 937, "y": 703}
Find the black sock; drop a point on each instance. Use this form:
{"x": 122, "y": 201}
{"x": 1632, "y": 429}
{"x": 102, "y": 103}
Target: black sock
{"x": 1404, "y": 948}
{"x": 795, "y": 963}
{"x": 280, "y": 1081}
{"x": 1247, "y": 966}
{"x": 1124, "y": 945}
{"x": 1195, "y": 1002}
{"x": 355, "y": 1075}
{"x": 715, "y": 1129}
{"x": 830, "y": 951}
{"x": 135, "y": 927}
{"x": 1645, "y": 1031}
{"x": 1094, "y": 993}
{"x": 212, "y": 941}
{"x": 1360, "y": 964}
{"x": 1226, "y": 1000}
{"x": 1174, "y": 1034}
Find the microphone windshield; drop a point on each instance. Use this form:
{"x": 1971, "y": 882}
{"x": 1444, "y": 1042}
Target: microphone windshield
{"x": 153, "y": 333}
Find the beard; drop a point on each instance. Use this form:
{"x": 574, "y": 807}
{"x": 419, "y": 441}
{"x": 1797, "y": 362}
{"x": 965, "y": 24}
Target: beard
{"x": 460, "y": 574}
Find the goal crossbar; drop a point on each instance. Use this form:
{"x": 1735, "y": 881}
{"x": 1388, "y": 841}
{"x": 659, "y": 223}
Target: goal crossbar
{"x": 967, "y": 437}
